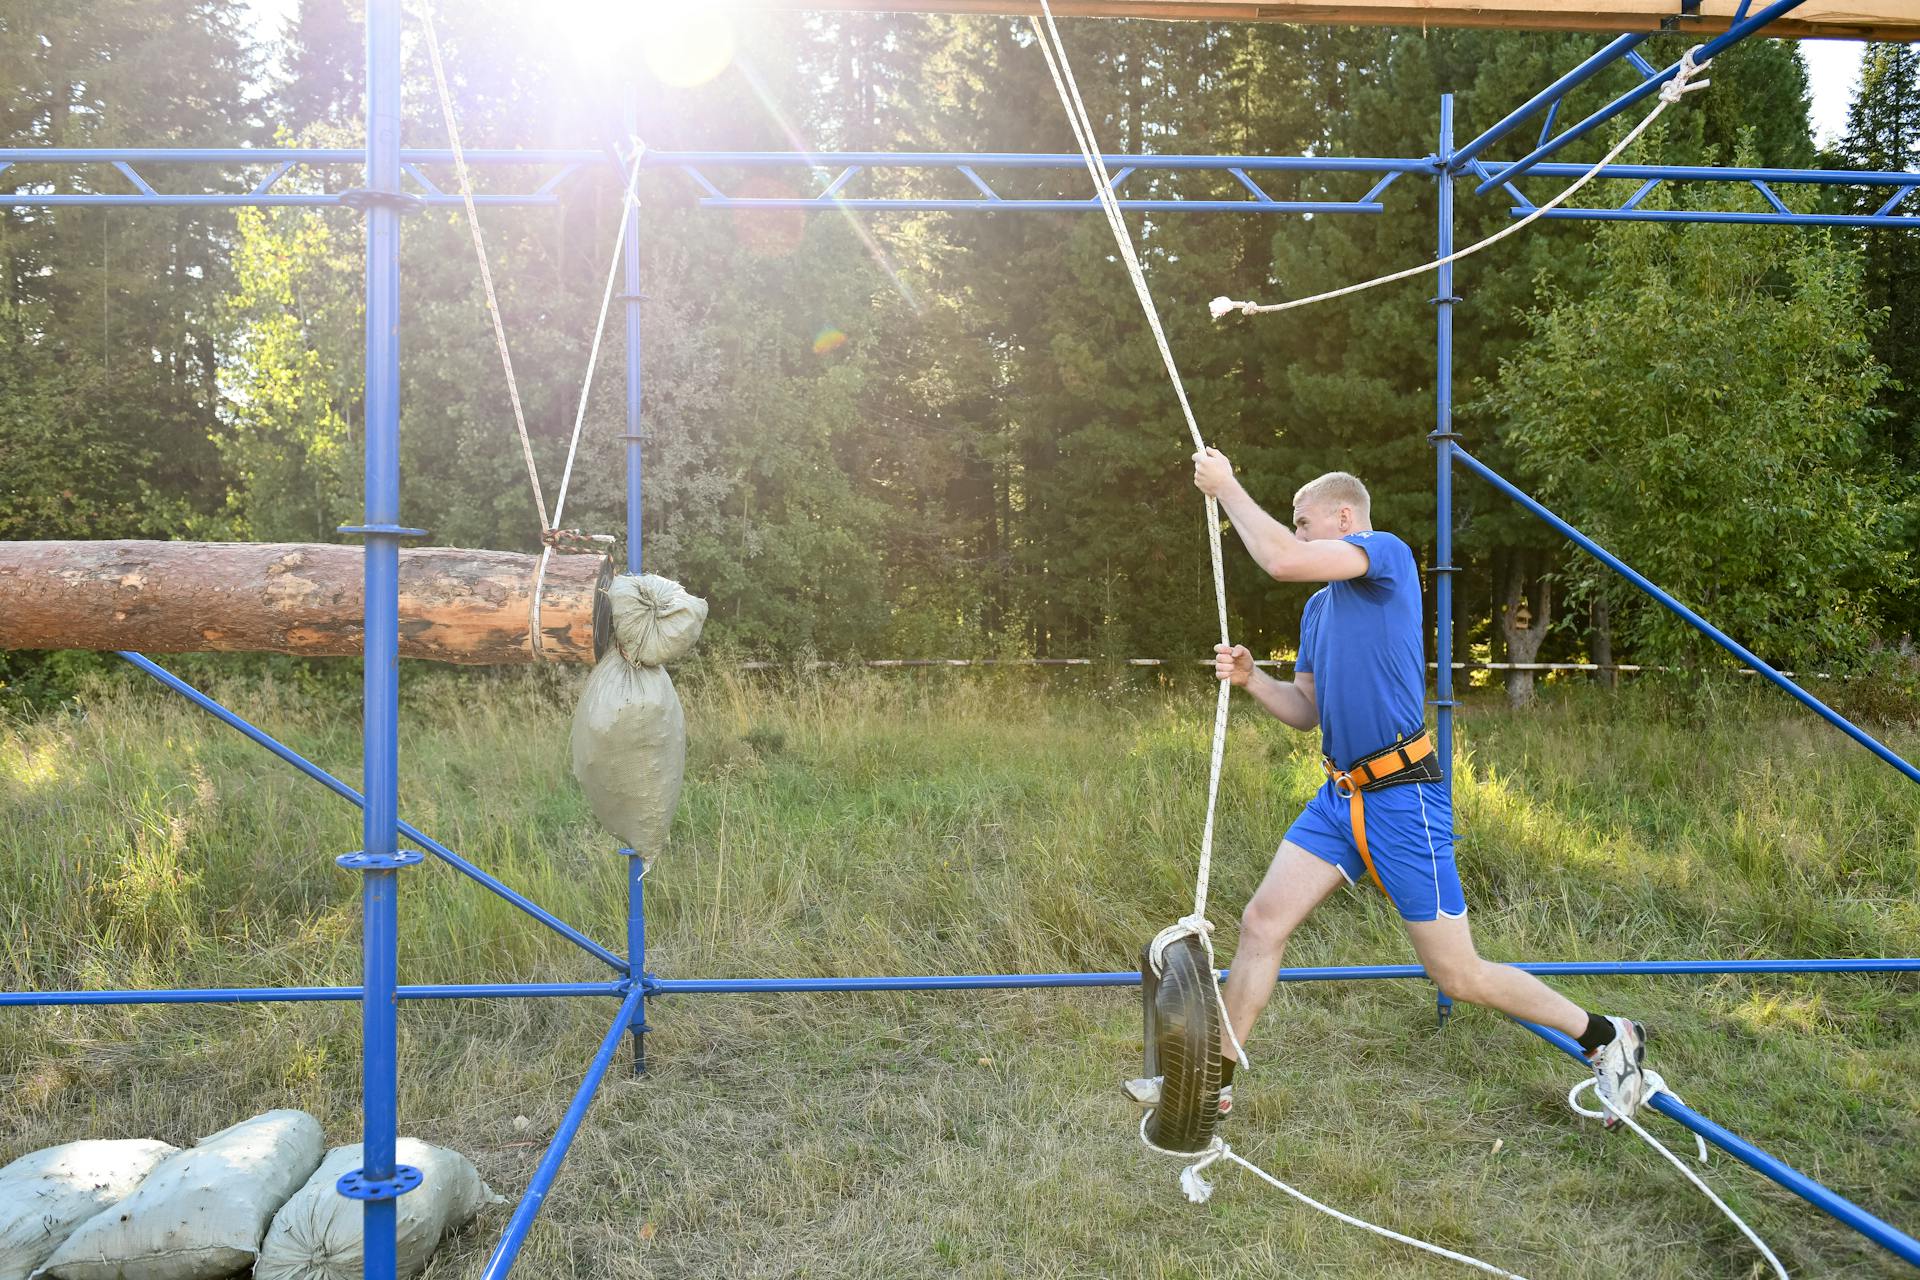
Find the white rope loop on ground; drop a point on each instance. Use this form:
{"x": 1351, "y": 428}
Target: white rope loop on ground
{"x": 1671, "y": 92}
{"x": 1656, "y": 1084}
{"x": 1199, "y": 1191}
{"x": 1064, "y": 84}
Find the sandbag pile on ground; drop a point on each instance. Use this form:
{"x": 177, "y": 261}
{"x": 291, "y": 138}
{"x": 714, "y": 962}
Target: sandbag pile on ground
{"x": 629, "y": 732}
{"x": 44, "y": 1195}
{"x": 317, "y": 1236}
{"x": 201, "y": 1213}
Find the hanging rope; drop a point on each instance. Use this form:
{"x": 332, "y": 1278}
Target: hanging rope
{"x": 1671, "y": 92}
{"x": 1194, "y": 925}
{"x": 425, "y": 9}
{"x": 552, "y": 535}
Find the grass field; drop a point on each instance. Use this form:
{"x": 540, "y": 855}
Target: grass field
{"x": 941, "y": 823}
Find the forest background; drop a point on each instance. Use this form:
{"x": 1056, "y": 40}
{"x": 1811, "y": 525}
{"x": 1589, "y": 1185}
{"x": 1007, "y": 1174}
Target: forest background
{"x": 935, "y": 435}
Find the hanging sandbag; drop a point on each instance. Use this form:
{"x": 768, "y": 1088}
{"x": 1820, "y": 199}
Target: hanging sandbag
{"x": 44, "y": 1195}
{"x": 317, "y": 1235}
{"x": 629, "y": 732}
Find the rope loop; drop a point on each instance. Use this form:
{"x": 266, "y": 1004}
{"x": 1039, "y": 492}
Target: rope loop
{"x": 1657, "y": 1085}
{"x": 1683, "y": 83}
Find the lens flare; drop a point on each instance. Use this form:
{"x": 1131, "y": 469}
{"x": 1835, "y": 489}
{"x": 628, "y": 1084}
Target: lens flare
{"x": 828, "y": 340}
{"x": 686, "y": 45}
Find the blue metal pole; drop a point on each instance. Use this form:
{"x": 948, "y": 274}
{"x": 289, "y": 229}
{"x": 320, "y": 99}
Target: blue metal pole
{"x": 963, "y": 982}
{"x": 380, "y": 735}
{"x": 1884, "y": 1234}
{"x": 637, "y": 951}
{"x": 635, "y": 436}
{"x": 528, "y": 1209}
{"x": 1699, "y": 623}
{"x": 1328, "y": 973}
{"x": 347, "y": 793}
{"x": 1606, "y": 57}
{"x": 1442, "y": 437}
{"x": 635, "y": 439}
{"x": 302, "y": 995}
{"x": 1645, "y": 89}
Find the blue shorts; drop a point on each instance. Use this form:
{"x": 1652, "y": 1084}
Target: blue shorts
{"x": 1410, "y": 835}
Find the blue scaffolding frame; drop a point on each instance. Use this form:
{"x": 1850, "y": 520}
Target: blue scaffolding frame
{"x": 396, "y": 179}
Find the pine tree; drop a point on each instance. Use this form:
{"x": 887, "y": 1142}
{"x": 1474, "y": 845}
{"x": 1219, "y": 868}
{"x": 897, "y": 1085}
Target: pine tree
{"x": 1883, "y": 135}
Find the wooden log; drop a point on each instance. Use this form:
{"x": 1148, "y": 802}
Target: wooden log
{"x": 456, "y": 605}
{"x": 1837, "y": 19}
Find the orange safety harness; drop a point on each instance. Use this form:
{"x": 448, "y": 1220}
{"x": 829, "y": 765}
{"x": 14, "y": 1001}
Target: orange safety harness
{"x": 1412, "y": 760}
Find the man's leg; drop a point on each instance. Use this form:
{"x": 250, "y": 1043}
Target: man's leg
{"x": 1446, "y": 949}
{"x": 1295, "y": 884}
{"x": 1614, "y": 1046}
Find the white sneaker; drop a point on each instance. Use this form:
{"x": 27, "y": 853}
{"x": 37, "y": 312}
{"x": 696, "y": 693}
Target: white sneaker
{"x": 1145, "y": 1092}
{"x": 1617, "y": 1071}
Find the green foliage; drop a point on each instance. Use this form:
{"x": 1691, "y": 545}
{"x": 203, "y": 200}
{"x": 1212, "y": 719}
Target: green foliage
{"x": 1705, "y": 413}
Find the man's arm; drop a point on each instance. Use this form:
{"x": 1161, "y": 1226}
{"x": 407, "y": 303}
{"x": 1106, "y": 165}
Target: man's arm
{"x": 1290, "y": 702}
{"x": 1272, "y": 545}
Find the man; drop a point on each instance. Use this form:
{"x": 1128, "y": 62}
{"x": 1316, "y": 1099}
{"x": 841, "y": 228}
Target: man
{"x": 1385, "y": 814}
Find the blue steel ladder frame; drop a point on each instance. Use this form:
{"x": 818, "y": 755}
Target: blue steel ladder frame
{"x": 396, "y": 181}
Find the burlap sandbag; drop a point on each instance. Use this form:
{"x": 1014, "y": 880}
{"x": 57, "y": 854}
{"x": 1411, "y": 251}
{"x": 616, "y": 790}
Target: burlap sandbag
{"x": 202, "y": 1212}
{"x": 44, "y": 1195}
{"x": 317, "y": 1235}
{"x": 629, "y": 732}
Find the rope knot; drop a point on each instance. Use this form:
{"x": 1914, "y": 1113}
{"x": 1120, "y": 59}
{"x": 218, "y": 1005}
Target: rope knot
{"x": 576, "y": 541}
{"x": 1683, "y": 81}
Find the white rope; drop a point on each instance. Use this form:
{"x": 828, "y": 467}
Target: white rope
{"x": 1671, "y": 92}
{"x": 550, "y": 530}
{"x": 586, "y": 386}
{"x": 1195, "y": 924}
{"x": 1655, "y": 1084}
{"x": 1199, "y": 1190}
{"x": 425, "y": 9}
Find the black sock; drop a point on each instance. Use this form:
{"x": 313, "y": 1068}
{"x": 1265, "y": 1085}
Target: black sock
{"x": 1226, "y": 1071}
{"x": 1600, "y": 1032}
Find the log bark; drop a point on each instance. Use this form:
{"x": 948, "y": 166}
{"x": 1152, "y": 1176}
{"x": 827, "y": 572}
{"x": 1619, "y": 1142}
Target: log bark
{"x": 456, "y": 605}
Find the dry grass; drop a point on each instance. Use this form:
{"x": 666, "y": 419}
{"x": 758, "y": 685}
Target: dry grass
{"x": 940, "y": 823}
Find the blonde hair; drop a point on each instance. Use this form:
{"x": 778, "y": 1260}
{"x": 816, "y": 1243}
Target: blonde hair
{"x": 1336, "y": 488}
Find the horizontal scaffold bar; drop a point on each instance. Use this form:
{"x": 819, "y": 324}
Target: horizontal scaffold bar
{"x": 1851, "y": 19}
{"x": 303, "y": 995}
{"x": 1329, "y": 973}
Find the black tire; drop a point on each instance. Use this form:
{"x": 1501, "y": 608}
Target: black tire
{"x": 1182, "y": 1046}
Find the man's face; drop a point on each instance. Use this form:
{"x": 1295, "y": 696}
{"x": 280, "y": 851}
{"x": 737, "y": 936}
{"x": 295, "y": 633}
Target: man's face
{"x": 1316, "y": 521}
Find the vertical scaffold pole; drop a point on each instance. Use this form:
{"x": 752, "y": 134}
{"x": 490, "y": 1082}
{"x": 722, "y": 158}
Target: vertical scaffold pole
{"x": 635, "y": 440}
{"x": 1442, "y": 437}
{"x": 381, "y": 1180}
{"x": 635, "y": 437}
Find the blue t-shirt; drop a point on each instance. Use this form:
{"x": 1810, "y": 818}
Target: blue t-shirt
{"x": 1362, "y": 643}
